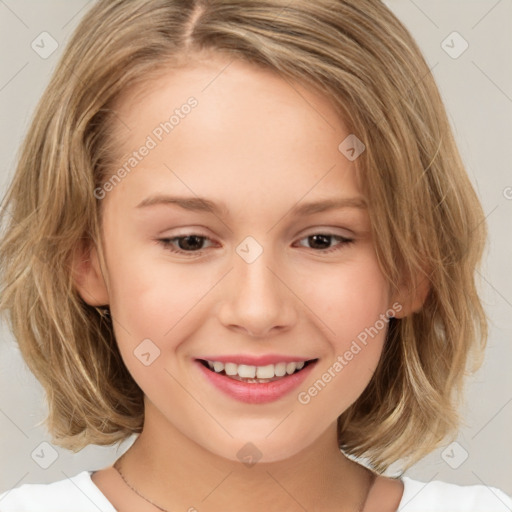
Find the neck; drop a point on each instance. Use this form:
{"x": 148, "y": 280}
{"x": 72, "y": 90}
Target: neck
{"x": 173, "y": 471}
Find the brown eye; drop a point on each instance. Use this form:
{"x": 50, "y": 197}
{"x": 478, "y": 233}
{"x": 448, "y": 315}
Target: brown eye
{"x": 191, "y": 244}
{"x": 320, "y": 242}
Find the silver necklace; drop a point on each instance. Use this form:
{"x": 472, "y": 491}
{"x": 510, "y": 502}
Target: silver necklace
{"x": 117, "y": 467}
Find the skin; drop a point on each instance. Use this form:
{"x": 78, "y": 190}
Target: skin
{"x": 262, "y": 147}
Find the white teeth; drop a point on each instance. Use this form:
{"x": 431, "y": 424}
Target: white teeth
{"x": 265, "y": 372}
{"x": 280, "y": 369}
{"x": 248, "y": 372}
{"x": 262, "y": 373}
{"x": 218, "y": 367}
{"x": 290, "y": 368}
{"x": 231, "y": 368}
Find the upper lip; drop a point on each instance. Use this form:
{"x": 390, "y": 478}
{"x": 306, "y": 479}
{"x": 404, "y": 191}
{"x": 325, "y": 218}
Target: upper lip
{"x": 262, "y": 360}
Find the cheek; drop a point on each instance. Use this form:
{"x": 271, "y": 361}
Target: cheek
{"x": 151, "y": 295}
{"x": 157, "y": 300}
{"x": 345, "y": 298}
{"x": 351, "y": 303}
{"x": 151, "y": 307}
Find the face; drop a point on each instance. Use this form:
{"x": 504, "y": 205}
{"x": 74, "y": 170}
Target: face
{"x": 250, "y": 278}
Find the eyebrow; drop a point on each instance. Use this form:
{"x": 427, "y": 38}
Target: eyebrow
{"x": 201, "y": 204}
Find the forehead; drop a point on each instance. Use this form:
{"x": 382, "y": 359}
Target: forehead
{"x": 250, "y": 131}
{"x": 233, "y": 95}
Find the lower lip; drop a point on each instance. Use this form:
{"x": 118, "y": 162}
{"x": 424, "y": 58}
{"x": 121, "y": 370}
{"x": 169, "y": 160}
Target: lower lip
{"x": 253, "y": 393}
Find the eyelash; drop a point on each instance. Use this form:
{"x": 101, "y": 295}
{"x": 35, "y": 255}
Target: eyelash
{"x": 168, "y": 243}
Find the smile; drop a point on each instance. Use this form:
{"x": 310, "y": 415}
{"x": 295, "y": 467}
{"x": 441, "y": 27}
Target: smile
{"x": 256, "y": 374}
{"x": 255, "y": 384}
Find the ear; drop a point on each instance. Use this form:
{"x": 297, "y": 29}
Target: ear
{"x": 88, "y": 276}
{"x": 412, "y": 296}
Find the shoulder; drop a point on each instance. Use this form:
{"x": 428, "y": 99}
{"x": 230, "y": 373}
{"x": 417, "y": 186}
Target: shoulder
{"x": 436, "y": 496}
{"x": 77, "y": 493}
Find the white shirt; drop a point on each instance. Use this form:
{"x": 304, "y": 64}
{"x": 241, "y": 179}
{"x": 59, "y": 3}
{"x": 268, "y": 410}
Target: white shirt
{"x": 80, "y": 494}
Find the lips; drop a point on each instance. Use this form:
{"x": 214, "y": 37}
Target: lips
{"x": 241, "y": 378}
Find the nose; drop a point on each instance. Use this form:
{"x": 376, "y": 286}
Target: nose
{"x": 256, "y": 297}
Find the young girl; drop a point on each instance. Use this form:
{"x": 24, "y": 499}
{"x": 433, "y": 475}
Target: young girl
{"x": 242, "y": 231}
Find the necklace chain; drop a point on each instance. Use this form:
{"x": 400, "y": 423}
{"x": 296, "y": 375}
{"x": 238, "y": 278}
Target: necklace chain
{"x": 117, "y": 467}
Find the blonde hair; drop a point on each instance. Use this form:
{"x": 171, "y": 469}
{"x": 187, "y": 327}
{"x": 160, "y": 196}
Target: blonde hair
{"x": 426, "y": 219}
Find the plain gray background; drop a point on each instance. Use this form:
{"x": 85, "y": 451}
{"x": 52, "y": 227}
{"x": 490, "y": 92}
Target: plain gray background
{"x": 477, "y": 88}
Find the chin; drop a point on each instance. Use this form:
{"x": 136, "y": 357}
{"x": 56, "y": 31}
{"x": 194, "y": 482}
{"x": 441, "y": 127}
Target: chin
{"x": 259, "y": 449}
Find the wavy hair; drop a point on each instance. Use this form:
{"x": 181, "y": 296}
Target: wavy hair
{"x": 426, "y": 219}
